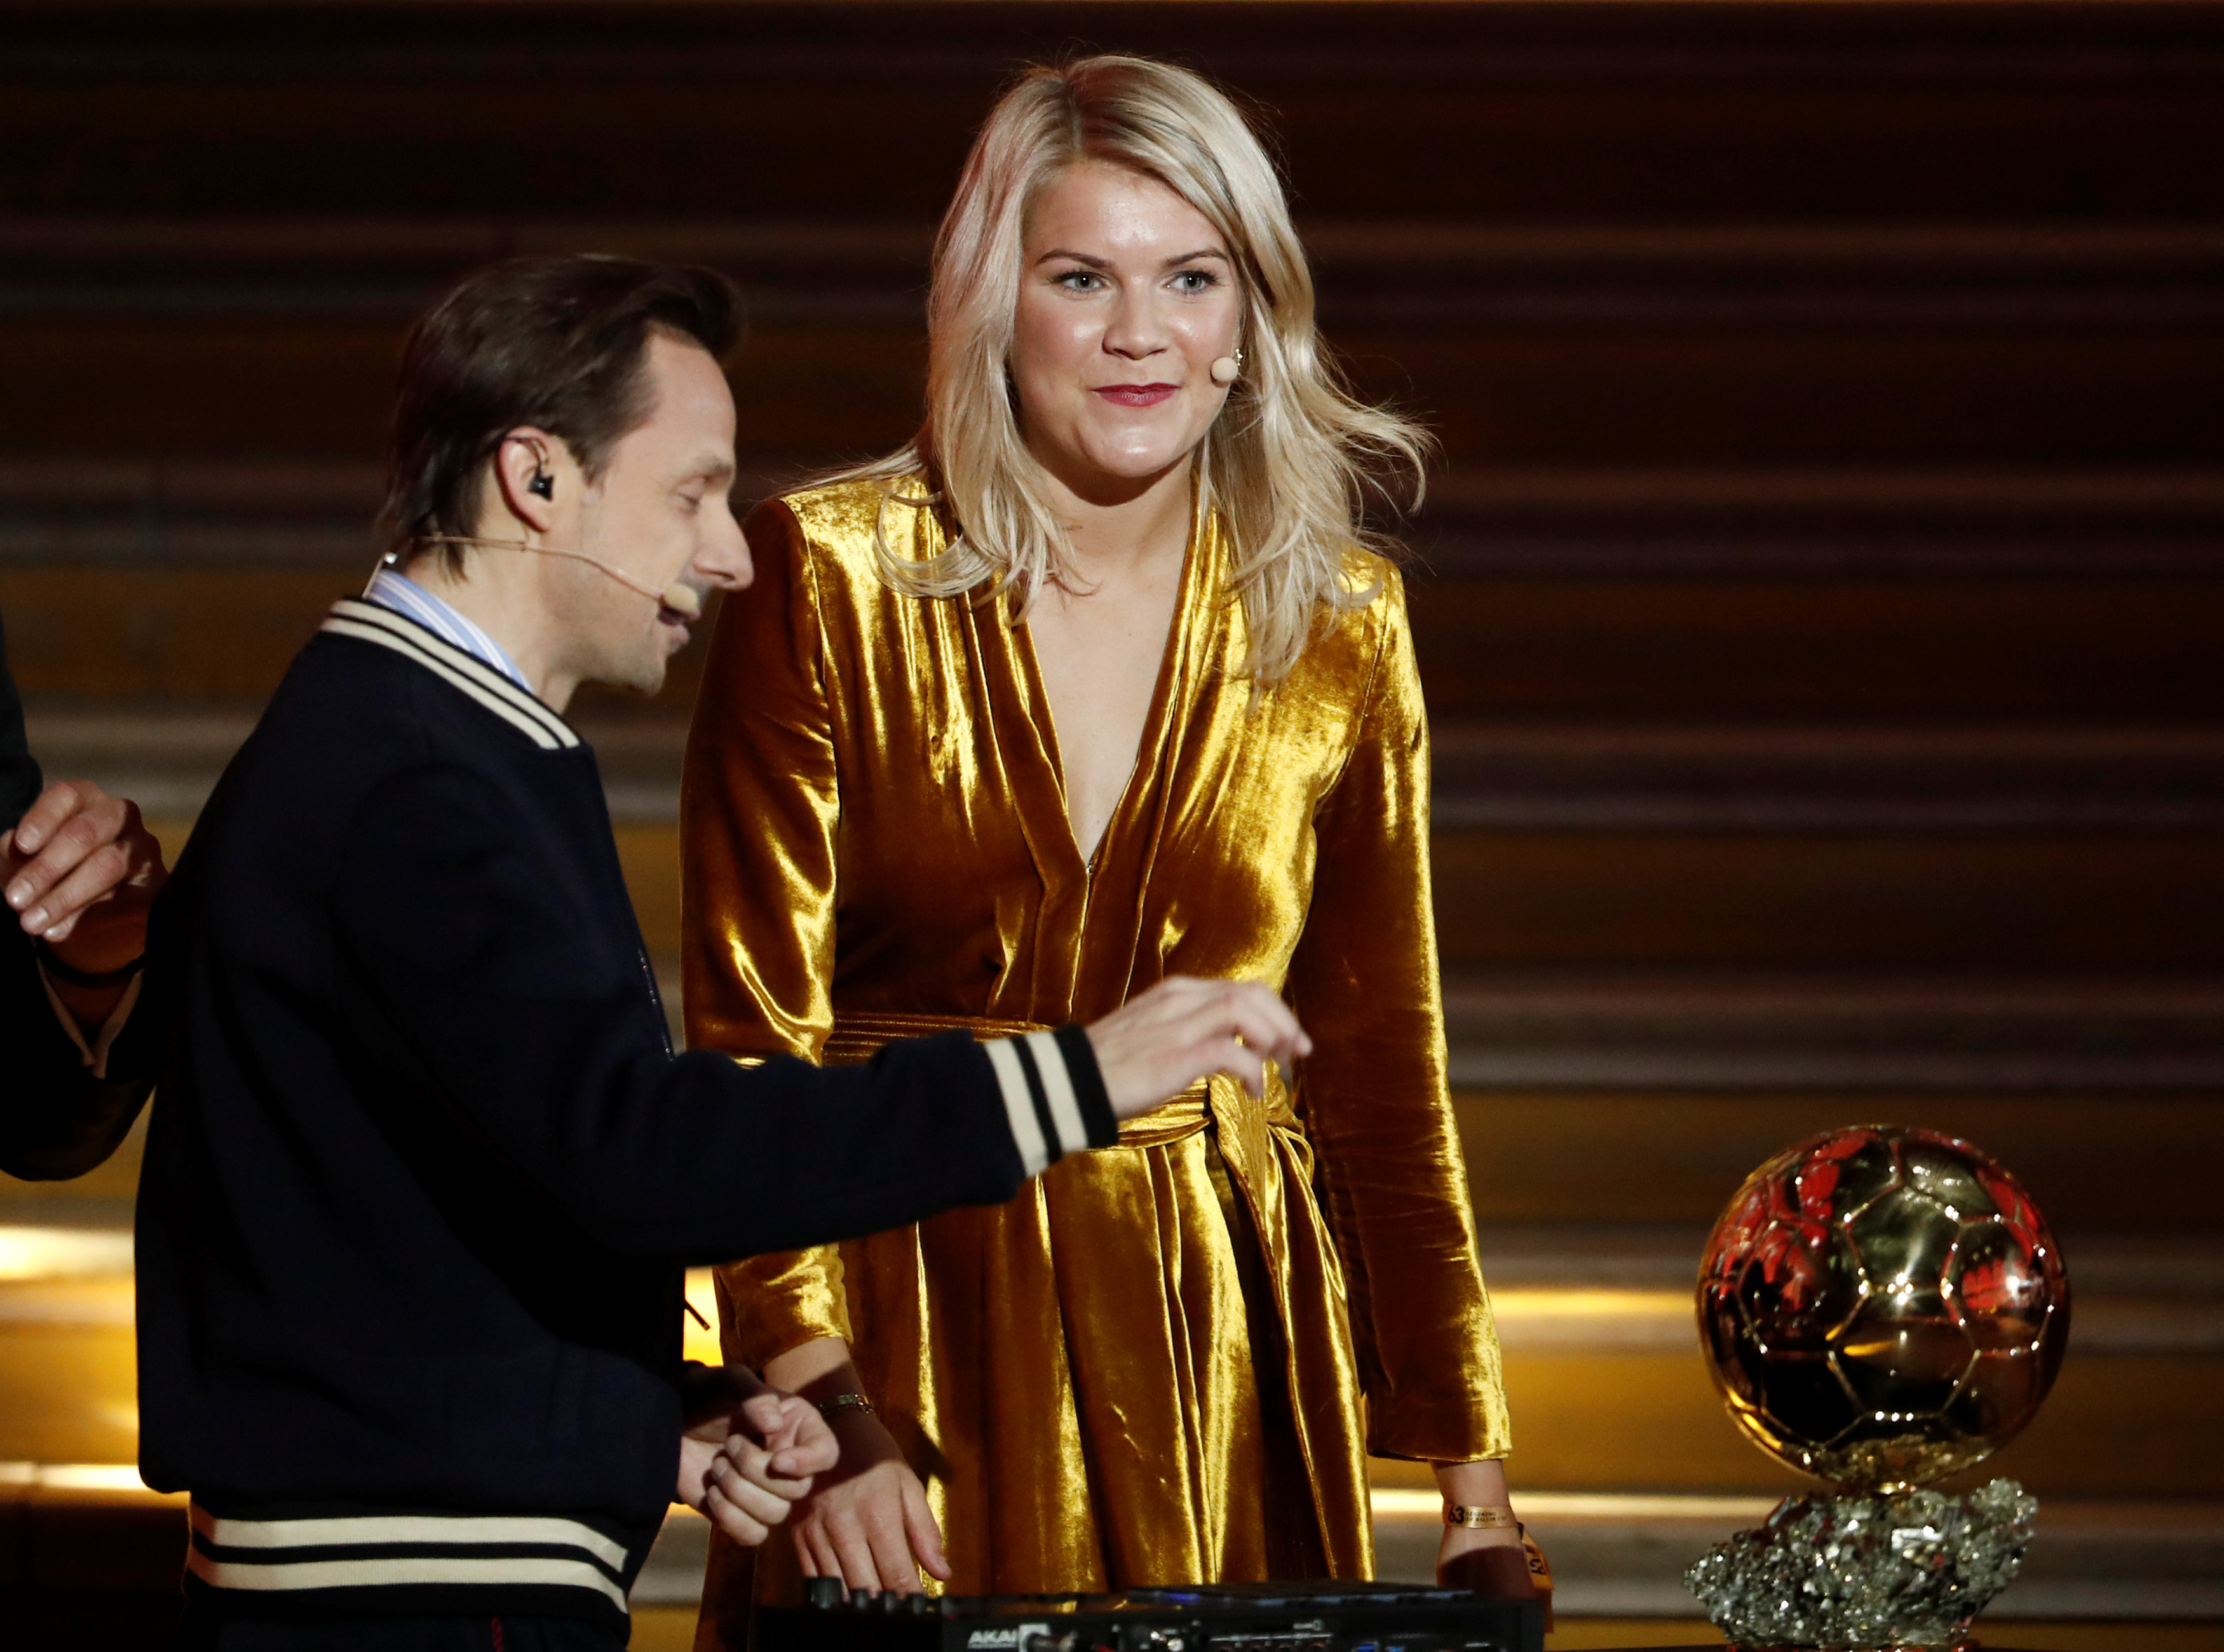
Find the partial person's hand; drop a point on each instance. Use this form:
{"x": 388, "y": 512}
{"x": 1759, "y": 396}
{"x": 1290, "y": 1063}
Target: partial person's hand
{"x": 749, "y": 1452}
{"x": 1156, "y": 1045}
{"x": 80, "y": 871}
{"x": 867, "y": 1523}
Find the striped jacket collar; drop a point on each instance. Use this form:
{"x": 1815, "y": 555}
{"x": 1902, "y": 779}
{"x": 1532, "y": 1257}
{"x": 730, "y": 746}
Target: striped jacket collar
{"x": 369, "y": 622}
{"x": 391, "y": 587}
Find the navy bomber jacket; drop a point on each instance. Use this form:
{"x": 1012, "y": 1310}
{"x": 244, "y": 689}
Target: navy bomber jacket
{"x": 424, "y": 1172}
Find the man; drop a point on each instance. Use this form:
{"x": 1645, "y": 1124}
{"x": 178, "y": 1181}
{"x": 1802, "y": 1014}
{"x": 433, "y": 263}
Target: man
{"x": 425, "y": 1171}
{"x": 78, "y": 871}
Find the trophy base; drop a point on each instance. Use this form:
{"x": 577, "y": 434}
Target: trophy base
{"x": 1904, "y": 1573}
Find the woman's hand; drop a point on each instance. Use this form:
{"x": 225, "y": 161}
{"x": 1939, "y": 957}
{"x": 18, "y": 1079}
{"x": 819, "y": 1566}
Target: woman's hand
{"x": 867, "y": 1523}
{"x": 1156, "y": 1045}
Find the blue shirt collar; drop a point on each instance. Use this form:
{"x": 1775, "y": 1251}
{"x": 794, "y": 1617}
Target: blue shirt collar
{"x": 391, "y": 587}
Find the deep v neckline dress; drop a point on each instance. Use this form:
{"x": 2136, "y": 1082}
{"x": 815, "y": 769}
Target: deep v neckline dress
{"x": 1164, "y": 1361}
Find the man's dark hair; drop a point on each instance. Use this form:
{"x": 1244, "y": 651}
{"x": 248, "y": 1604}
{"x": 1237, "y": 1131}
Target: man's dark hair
{"x": 560, "y": 343}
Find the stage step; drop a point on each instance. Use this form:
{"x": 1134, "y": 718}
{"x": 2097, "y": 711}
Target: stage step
{"x": 2044, "y": 275}
{"x": 2115, "y": 1161}
{"x": 90, "y": 1559}
{"x": 1525, "y": 777}
{"x": 1492, "y": 779}
{"x": 1610, "y": 1392}
{"x": 2022, "y": 859}
{"x": 1523, "y": 394}
{"x": 1604, "y": 1374}
{"x": 1960, "y": 652}
{"x": 1666, "y": 113}
{"x": 1497, "y": 521}
{"x": 1655, "y": 908}
{"x": 1624, "y": 1554}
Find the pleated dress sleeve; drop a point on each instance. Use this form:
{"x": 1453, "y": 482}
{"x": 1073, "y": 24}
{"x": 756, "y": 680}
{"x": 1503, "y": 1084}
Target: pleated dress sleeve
{"x": 760, "y": 805}
{"x": 1374, "y": 1096}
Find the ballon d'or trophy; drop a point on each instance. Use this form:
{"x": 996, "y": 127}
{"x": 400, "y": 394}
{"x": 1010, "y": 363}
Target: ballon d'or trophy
{"x": 1882, "y": 1308}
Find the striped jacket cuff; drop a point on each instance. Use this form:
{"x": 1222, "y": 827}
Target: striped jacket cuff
{"x": 1054, "y": 1097}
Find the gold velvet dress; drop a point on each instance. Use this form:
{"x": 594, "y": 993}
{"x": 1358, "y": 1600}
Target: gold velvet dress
{"x": 1163, "y": 1361}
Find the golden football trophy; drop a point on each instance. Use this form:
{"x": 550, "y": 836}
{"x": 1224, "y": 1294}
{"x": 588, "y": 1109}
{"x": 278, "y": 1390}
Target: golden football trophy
{"x": 1881, "y": 1306}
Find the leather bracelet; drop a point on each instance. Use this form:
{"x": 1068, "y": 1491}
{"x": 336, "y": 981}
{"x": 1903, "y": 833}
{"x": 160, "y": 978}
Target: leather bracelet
{"x": 1480, "y": 1517}
{"x": 831, "y": 1408}
{"x": 92, "y": 980}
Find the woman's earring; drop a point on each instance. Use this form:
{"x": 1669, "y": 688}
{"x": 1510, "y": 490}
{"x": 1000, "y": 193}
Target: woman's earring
{"x": 1228, "y": 369}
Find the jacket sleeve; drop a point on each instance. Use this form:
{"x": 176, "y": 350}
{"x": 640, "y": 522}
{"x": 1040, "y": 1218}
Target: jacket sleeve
{"x": 461, "y": 934}
{"x": 760, "y": 805}
{"x": 20, "y": 779}
{"x": 57, "y": 1119}
{"x": 1374, "y": 1096}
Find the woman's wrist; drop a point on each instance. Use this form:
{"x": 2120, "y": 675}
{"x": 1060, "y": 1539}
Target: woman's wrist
{"x": 817, "y": 1370}
{"x": 1474, "y": 1485}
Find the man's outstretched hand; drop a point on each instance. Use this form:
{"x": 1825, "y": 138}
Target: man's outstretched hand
{"x": 1153, "y": 1047}
{"x": 750, "y": 1451}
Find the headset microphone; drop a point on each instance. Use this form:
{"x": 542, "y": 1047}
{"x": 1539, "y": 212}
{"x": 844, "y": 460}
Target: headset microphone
{"x": 679, "y": 598}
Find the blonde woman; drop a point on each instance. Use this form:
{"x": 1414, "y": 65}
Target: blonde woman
{"x": 1094, "y": 682}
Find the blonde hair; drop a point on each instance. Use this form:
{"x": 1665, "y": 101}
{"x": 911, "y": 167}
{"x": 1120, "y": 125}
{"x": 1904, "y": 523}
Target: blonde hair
{"x": 1290, "y": 461}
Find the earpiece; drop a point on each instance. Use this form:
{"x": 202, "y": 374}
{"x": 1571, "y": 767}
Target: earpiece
{"x": 1224, "y": 370}
{"x": 542, "y": 484}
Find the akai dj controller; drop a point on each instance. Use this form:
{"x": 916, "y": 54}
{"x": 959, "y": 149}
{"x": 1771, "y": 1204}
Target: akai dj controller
{"x": 1257, "y": 1617}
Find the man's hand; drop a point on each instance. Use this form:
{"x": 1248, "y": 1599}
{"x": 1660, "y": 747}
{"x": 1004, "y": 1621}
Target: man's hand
{"x": 1153, "y": 1047}
{"x": 749, "y": 1452}
{"x": 80, "y": 871}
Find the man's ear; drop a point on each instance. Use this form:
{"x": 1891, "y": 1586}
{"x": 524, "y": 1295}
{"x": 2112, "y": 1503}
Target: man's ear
{"x": 530, "y": 467}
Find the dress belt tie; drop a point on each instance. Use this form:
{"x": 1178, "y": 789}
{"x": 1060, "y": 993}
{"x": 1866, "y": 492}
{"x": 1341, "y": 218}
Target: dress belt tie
{"x": 858, "y": 1038}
